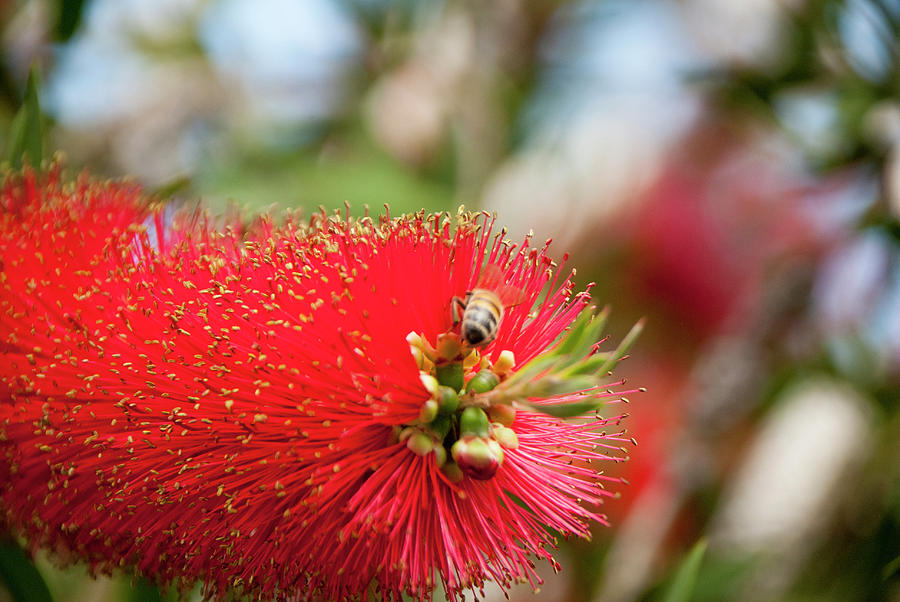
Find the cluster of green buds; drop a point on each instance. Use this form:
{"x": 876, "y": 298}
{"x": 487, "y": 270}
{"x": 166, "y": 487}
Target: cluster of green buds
{"x": 466, "y": 439}
{"x": 468, "y": 420}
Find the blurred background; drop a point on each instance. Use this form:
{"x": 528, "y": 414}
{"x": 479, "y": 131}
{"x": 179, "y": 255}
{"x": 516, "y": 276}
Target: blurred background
{"x": 728, "y": 169}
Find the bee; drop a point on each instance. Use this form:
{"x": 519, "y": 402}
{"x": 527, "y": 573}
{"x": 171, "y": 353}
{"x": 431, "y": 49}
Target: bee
{"x": 482, "y": 309}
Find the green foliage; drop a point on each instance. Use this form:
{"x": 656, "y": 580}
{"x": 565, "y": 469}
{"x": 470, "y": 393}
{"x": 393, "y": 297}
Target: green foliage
{"x": 144, "y": 590}
{"x": 26, "y": 136}
{"x": 891, "y": 568}
{"x": 352, "y": 170}
{"x": 681, "y": 589}
{"x": 567, "y": 369}
{"x": 19, "y": 575}
{"x": 70, "y": 12}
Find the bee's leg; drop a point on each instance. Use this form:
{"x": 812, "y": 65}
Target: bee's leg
{"x": 457, "y": 306}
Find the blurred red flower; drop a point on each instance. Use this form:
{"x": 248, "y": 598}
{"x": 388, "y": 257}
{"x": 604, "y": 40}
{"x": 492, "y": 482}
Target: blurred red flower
{"x": 709, "y": 232}
{"x": 269, "y": 411}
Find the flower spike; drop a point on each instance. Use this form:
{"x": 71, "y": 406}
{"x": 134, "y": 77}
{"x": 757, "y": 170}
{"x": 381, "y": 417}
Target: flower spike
{"x": 288, "y": 409}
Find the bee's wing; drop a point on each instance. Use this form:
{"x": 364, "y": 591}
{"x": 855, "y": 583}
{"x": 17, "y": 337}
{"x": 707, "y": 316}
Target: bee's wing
{"x": 493, "y": 278}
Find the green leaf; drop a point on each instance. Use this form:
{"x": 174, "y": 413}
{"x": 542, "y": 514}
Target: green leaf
{"x": 564, "y": 410}
{"x": 588, "y": 365}
{"x": 682, "y": 587}
{"x": 570, "y": 341}
{"x": 70, "y": 12}
{"x": 20, "y": 576}
{"x": 144, "y": 590}
{"x": 556, "y": 386}
{"x": 532, "y": 369}
{"x": 890, "y": 568}
{"x": 586, "y": 331}
{"x": 26, "y": 136}
{"x": 623, "y": 347}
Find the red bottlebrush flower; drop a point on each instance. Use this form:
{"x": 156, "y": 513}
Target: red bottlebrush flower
{"x": 280, "y": 412}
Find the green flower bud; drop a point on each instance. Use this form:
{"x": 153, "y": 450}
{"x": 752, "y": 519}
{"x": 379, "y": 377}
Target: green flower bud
{"x": 496, "y": 451}
{"x": 505, "y": 436}
{"x": 448, "y": 346}
{"x": 505, "y": 362}
{"x": 448, "y": 400}
{"x": 477, "y": 457}
{"x": 482, "y": 382}
{"x": 504, "y": 414}
{"x": 430, "y": 383}
{"x": 440, "y": 455}
{"x": 429, "y": 411}
{"x": 418, "y": 356}
{"x": 420, "y": 444}
{"x": 450, "y": 375}
{"x": 406, "y": 433}
{"x": 474, "y": 422}
{"x": 453, "y": 472}
{"x": 440, "y": 426}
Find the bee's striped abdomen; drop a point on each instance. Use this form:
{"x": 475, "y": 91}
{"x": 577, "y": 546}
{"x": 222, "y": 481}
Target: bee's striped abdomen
{"x": 481, "y": 318}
